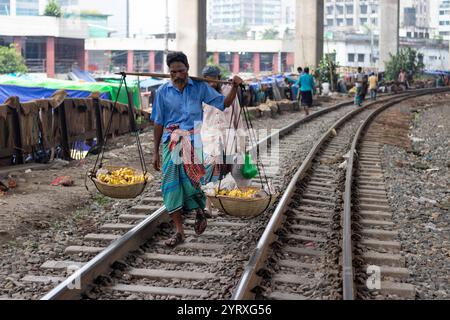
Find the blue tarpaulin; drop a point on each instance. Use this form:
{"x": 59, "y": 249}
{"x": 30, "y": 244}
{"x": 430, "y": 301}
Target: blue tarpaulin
{"x": 29, "y": 94}
{"x": 437, "y": 72}
{"x": 151, "y": 82}
{"x": 81, "y": 75}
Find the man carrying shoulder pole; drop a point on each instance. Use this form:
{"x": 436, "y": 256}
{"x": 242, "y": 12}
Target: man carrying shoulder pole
{"x": 177, "y": 115}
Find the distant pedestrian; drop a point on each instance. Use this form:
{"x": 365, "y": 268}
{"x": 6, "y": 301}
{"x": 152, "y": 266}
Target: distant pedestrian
{"x": 359, "y": 82}
{"x": 402, "y": 78}
{"x": 373, "y": 86}
{"x": 306, "y": 85}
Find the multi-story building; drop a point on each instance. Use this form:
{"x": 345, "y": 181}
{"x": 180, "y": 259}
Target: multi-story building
{"x": 21, "y": 7}
{"x": 226, "y": 15}
{"x": 350, "y": 15}
{"x": 288, "y": 8}
{"x": 48, "y": 45}
{"x": 444, "y": 20}
{"x": 361, "y": 16}
{"x": 116, "y": 10}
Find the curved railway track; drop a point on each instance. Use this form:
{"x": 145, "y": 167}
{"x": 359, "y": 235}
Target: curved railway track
{"x": 129, "y": 257}
{"x": 331, "y": 223}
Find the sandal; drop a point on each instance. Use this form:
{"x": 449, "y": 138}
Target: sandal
{"x": 176, "y": 239}
{"x": 200, "y": 222}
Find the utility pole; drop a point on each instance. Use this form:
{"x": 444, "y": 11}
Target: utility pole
{"x": 128, "y": 17}
{"x": 371, "y": 26}
{"x": 166, "y": 37}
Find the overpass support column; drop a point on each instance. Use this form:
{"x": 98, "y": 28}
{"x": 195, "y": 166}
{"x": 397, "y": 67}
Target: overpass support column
{"x": 191, "y": 33}
{"x": 309, "y": 32}
{"x": 389, "y": 33}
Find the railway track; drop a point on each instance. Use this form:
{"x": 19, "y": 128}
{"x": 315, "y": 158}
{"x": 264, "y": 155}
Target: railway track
{"x": 143, "y": 268}
{"x": 330, "y": 236}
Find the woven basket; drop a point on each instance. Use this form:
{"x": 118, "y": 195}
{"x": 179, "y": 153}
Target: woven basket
{"x": 246, "y": 208}
{"x": 121, "y": 191}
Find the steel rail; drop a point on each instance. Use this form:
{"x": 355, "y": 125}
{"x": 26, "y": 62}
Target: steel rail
{"x": 349, "y": 292}
{"x": 79, "y": 282}
{"x": 250, "y": 279}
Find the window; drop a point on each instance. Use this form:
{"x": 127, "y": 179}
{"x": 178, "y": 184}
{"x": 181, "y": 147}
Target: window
{"x": 363, "y": 21}
{"x": 27, "y": 7}
{"x": 361, "y": 57}
{"x": 5, "y": 7}
{"x": 363, "y": 9}
{"x": 340, "y": 9}
{"x": 330, "y": 22}
{"x": 349, "y": 8}
{"x": 408, "y": 34}
{"x": 349, "y": 22}
{"x": 351, "y": 57}
{"x": 329, "y": 10}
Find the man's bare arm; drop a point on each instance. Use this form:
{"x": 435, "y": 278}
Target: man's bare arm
{"x": 233, "y": 92}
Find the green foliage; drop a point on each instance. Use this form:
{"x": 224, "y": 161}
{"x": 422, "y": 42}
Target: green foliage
{"x": 327, "y": 69}
{"x": 11, "y": 61}
{"x": 53, "y": 9}
{"x": 224, "y": 72}
{"x": 270, "y": 34}
{"x": 407, "y": 59}
{"x": 241, "y": 32}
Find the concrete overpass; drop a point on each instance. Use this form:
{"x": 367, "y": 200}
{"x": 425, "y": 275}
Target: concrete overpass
{"x": 191, "y": 31}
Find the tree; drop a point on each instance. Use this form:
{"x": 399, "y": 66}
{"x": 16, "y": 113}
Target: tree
{"x": 270, "y": 34}
{"x": 53, "y": 9}
{"x": 407, "y": 59}
{"x": 10, "y": 61}
{"x": 241, "y": 32}
{"x": 327, "y": 70}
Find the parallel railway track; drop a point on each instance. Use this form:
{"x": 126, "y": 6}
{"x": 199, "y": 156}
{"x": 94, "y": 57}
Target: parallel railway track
{"x": 129, "y": 258}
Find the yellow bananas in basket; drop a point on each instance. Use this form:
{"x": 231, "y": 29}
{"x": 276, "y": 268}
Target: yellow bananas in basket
{"x": 236, "y": 193}
{"x": 122, "y": 176}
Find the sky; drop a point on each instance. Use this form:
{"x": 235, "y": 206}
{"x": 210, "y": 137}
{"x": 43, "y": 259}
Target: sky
{"x": 146, "y": 16}
{"x": 149, "y": 16}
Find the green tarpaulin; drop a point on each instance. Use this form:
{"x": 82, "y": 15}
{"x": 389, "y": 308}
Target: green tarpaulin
{"x": 102, "y": 87}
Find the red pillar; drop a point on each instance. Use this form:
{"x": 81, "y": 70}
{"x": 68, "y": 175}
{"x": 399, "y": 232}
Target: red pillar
{"x": 151, "y": 61}
{"x": 130, "y": 61}
{"x": 86, "y": 60}
{"x": 290, "y": 59}
{"x": 50, "y": 57}
{"x": 216, "y": 58}
{"x": 275, "y": 63}
{"x": 256, "y": 63}
{"x": 236, "y": 61}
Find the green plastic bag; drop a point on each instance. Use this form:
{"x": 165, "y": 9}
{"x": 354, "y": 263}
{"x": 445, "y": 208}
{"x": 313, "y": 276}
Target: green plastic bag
{"x": 249, "y": 169}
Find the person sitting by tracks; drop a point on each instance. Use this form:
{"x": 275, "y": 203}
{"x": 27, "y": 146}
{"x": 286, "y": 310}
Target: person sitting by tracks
{"x": 306, "y": 85}
{"x": 177, "y": 113}
{"x": 222, "y": 134}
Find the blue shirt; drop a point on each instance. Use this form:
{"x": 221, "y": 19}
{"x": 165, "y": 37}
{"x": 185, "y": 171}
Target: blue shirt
{"x": 173, "y": 107}
{"x": 306, "y": 82}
